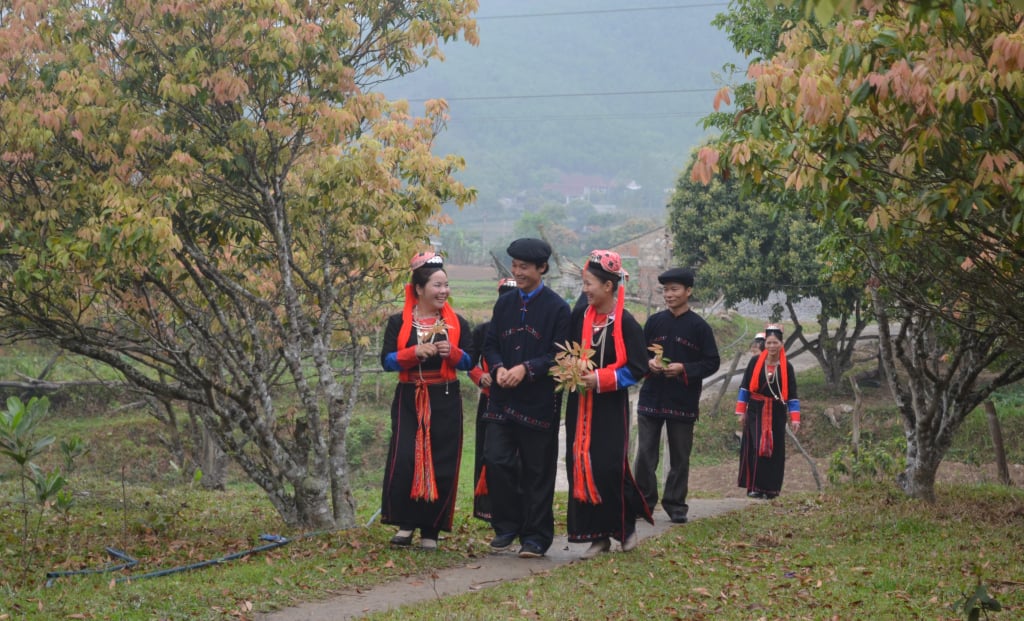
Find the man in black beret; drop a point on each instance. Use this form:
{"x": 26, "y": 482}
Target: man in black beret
{"x": 670, "y": 396}
{"x": 536, "y": 251}
{"x": 523, "y": 411}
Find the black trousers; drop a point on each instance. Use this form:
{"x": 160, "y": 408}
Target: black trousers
{"x": 680, "y": 444}
{"x": 521, "y": 468}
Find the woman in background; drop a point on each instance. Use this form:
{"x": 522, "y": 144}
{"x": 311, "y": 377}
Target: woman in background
{"x": 481, "y": 376}
{"x": 767, "y": 399}
{"x": 424, "y": 344}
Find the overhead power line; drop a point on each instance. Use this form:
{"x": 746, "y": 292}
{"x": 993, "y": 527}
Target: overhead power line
{"x": 559, "y": 95}
{"x": 601, "y": 11}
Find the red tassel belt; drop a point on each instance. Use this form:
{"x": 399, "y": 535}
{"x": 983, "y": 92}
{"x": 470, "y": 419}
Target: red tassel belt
{"x": 766, "y": 443}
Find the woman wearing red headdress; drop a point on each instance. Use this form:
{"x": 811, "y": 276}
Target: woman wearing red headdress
{"x": 767, "y": 399}
{"x": 604, "y": 500}
{"x": 424, "y": 343}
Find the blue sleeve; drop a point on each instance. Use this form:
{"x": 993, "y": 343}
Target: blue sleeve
{"x": 390, "y": 362}
{"x": 465, "y": 362}
{"x": 624, "y": 378}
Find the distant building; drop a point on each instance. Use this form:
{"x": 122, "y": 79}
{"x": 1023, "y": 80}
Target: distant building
{"x": 651, "y": 253}
{"x": 578, "y": 187}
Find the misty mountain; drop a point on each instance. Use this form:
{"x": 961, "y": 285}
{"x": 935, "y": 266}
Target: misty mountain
{"x": 611, "y": 89}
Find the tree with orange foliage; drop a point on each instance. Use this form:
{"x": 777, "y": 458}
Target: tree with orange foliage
{"x": 210, "y": 198}
{"x": 900, "y": 127}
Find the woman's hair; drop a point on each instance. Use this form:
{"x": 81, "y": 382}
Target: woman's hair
{"x": 421, "y": 275}
{"x": 604, "y": 276}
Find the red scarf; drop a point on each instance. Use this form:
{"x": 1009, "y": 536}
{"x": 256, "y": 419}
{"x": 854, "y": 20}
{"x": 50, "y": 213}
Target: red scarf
{"x": 766, "y": 443}
{"x": 424, "y": 483}
{"x": 584, "y": 486}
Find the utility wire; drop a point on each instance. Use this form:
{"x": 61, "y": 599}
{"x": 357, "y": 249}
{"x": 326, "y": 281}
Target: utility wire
{"x": 558, "y": 95}
{"x": 580, "y": 117}
{"x": 602, "y": 11}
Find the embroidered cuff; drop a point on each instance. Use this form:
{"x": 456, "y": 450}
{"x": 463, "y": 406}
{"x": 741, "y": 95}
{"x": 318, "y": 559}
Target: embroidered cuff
{"x": 794, "y": 410}
{"x": 407, "y": 357}
{"x": 607, "y": 381}
{"x": 741, "y": 401}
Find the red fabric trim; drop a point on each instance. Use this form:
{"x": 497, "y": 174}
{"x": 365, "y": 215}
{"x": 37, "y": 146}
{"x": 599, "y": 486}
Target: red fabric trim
{"x": 584, "y": 487}
{"x": 607, "y": 381}
{"x": 766, "y": 443}
{"x": 406, "y": 330}
{"x": 424, "y": 484}
{"x": 755, "y": 379}
{"x": 406, "y": 357}
{"x": 481, "y": 483}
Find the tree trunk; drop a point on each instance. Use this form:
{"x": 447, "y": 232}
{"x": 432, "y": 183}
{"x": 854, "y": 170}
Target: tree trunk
{"x": 726, "y": 380}
{"x": 918, "y": 479}
{"x": 997, "y": 443}
{"x": 213, "y": 462}
{"x": 858, "y": 405}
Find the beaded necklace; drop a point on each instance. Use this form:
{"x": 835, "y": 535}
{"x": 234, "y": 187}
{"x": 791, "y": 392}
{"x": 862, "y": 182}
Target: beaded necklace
{"x": 773, "y": 382}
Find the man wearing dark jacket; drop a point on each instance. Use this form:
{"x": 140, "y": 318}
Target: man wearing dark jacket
{"x": 670, "y": 396}
{"x": 523, "y": 412}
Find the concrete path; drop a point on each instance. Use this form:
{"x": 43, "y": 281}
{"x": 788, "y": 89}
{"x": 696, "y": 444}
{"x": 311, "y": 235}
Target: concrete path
{"x": 480, "y": 573}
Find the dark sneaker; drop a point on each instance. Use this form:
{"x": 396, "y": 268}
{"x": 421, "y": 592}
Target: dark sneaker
{"x": 503, "y": 542}
{"x": 530, "y": 550}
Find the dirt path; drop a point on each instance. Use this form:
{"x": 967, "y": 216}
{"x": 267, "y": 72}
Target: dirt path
{"x": 480, "y": 573}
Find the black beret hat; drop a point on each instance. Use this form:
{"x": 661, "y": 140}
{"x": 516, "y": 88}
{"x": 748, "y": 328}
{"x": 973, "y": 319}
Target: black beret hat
{"x": 529, "y": 249}
{"x": 681, "y": 275}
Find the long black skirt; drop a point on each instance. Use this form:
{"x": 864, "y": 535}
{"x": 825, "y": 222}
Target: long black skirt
{"x": 621, "y": 501}
{"x": 758, "y": 473}
{"x": 397, "y": 506}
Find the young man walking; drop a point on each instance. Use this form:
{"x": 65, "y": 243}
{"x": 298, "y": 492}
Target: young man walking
{"x": 670, "y": 396}
{"x": 523, "y": 413}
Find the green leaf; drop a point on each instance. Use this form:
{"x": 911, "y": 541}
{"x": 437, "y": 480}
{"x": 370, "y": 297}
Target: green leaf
{"x": 978, "y": 110}
{"x": 959, "y": 13}
{"x": 861, "y": 94}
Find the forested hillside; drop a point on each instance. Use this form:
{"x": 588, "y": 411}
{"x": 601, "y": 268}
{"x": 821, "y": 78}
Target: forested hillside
{"x": 613, "y": 89}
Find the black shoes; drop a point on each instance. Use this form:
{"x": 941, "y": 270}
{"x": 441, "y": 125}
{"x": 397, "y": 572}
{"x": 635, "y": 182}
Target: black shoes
{"x": 402, "y": 538}
{"x": 503, "y": 542}
{"x": 530, "y": 550}
{"x": 757, "y": 495}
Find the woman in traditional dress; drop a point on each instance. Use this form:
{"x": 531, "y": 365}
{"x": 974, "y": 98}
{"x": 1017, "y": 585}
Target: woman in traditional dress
{"x": 767, "y": 399}
{"x": 604, "y": 500}
{"x": 424, "y": 344}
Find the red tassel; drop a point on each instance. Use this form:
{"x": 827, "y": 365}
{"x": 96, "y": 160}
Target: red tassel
{"x": 584, "y": 487}
{"x": 481, "y": 483}
{"x": 767, "y": 443}
{"x": 424, "y": 485}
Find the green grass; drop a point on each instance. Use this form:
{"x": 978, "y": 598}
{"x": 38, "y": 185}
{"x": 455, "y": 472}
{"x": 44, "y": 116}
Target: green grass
{"x": 858, "y": 552}
{"x": 853, "y": 552}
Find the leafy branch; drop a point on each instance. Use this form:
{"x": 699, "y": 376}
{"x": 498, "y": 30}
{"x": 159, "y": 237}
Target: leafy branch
{"x": 571, "y": 364}
{"x": 659, "y": 354}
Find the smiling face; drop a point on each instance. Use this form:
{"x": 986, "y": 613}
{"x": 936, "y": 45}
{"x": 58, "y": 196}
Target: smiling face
{"x": 677, "y": 297}
{"x": 432, "y": 295}
{"x": 527, "y": 275}
{"x": 599, "y": 292}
